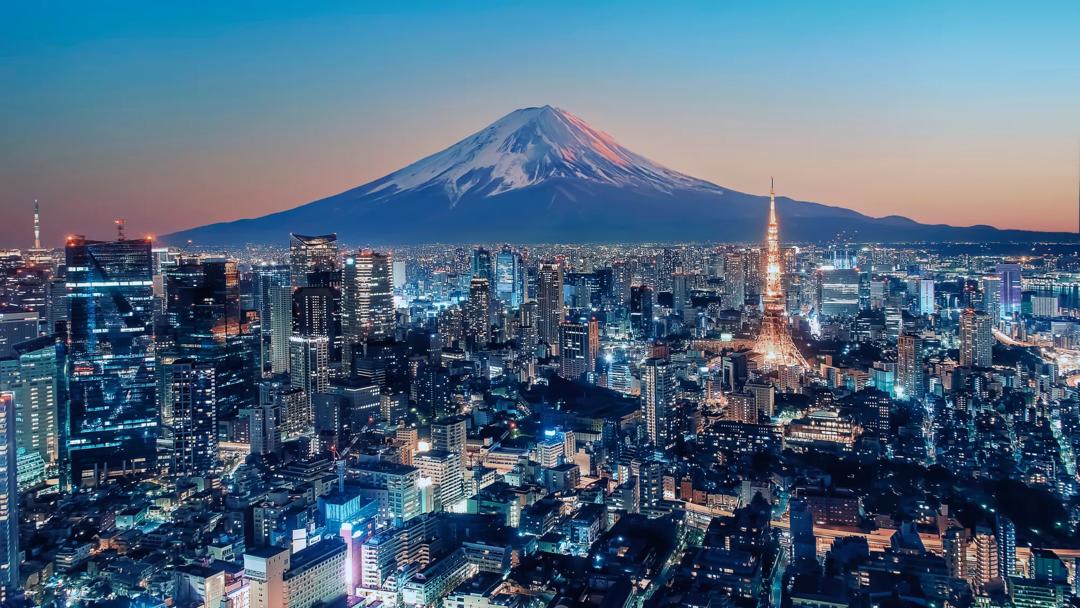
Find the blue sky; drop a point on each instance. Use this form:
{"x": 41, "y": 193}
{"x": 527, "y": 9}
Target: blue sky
{"x": 177, "y": 114}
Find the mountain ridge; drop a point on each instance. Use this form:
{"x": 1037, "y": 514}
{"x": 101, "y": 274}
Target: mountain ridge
{"x": 541, "y": 174}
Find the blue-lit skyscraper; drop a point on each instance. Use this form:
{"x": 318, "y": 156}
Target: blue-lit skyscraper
{"x": 1011, "y": 297}
{"x": 509, "y": 278}
{"x": 482, "y": 266}
{"x": 112, "y": 418}
{"x": 9, "y": 496}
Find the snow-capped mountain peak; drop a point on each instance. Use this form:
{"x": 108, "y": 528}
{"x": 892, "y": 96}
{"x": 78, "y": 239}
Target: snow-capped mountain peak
{"x": 527, "y": 147}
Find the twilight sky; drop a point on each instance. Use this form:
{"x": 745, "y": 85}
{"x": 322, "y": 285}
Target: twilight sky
{"x": 174, "y": 115}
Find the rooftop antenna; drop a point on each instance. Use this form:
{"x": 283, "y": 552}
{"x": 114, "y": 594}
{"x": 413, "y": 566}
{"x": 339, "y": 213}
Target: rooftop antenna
{"x": 119, "y": 228}
{"x": 37, "y": 226}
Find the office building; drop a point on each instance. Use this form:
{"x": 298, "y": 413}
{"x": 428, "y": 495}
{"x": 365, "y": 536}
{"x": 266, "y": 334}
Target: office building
{"x": 658, "y": 386}
{"x": 310, "y": 255}
{"x": 976, "y": 339}
{"x": 911, "y": 376}
{"x": 194, "y": 430}
{"x": 509, "y": 278}
{"x": 926, "y": 296}
{"x": 550, "y": 300}
{"x": 9, "y": 496}
{"x": 1011, "y": 297}
{"x": 367, "y": 297}
{"x": 17, "y": 325}
{"x": 34, "y": 376}
{"x": 478, "y": 314}
{"x": 113, "y": 417}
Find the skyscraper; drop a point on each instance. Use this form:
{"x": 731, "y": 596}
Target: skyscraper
{"x": 478, "y": 313}
{"x": 204, "y": 322}
{"x": 774, "y": 343}
{"x": 641, "y": 310}
{"x": 926, "y": 296}
{"x": 550, "y": 299}
{"x": 33, "y": 375}
{"x": 990, "y": 286}
{"x": 909, "y": 368}
{"x": 311, "y": 341}
{"x": 367, "y": 300}
{"x": 573, "y": 350}
{"x": 976, "y": 339}
{"x": 194, "y": 416}
{"x": 734, "y": 280}
{"x": 482, "y": 265}
{"x": 509, "y": 278}
{"x": 658, "y": 383}
{"x": 1011, "y": 296}
{"x": 113, "y": 418}
{"x": 266, "y": 277}
{"x": 311, "y": 254}
{"x": 280, "y": 324}
{"x": 9, "y": 496}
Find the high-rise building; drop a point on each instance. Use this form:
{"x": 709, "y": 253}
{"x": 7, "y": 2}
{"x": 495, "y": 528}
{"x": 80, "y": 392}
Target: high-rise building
{"x": 311, "y": 342}
{"x": 990, "y": 286}
{"x": 17, "y": 325}
{"x": 1011, "y": 297}
{"x": 262, "y": 420}
{"x": 449, "y": 434}
{"x": 33, "y": 375}
{"x": 839, "y": 291}
{"x": 204, "y": 322}
{"x": 641, "y": 310}
{"x": 9, "y": 496}
{"x": 310, "y": 255}
{"x": 986, "y": 558}
{"x": 1006, "y": 547}
{"x": 112, "y": 417}
{"x": 367, "y": 297}
{"x": 483, "y": 265}
{"x": 194, "y": 416}
{"x": 680, "y": 292}
{"x": 550, "y": 300}
{"x": 443, "y": 472}
{"x": 734, "y": 280}
{"x": 509, "y": 278}
{"x": 658, "y": 386}
{"x": 622, "y": 277}
{"x": 926, "y": 296}
{"x": 478, "y": 313}
{"x": 280, "y": 327}
{"x": 573, "y": 350}
{"x": 909, "y": 368}
{"x": 976, "y": 339}
{"x": 265, "y": 570}
{"x": 265, "y": 278}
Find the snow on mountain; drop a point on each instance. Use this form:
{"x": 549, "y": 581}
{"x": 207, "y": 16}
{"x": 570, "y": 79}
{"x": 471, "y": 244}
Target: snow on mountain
{"x": 527, "y": 147}
{"x": 542, "y": 175}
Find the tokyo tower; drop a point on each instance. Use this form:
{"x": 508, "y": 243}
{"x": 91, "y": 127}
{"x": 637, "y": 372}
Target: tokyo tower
{"x": 774, "y": 344}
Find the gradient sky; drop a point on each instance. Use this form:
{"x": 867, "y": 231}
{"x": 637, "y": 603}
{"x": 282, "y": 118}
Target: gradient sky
{"x": 178, "y": 114}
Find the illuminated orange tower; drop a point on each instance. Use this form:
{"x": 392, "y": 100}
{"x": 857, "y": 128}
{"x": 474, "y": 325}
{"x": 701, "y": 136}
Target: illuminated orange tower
{"x": 774, "y": 343}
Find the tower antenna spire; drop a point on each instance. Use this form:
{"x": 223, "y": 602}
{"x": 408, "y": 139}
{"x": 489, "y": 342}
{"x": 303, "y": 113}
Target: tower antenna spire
{"x": 37, "y": 226}
{"x": 774, "y": 344}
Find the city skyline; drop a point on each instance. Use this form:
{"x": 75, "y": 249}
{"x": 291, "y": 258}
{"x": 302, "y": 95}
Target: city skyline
{"x": 171, "y": 117}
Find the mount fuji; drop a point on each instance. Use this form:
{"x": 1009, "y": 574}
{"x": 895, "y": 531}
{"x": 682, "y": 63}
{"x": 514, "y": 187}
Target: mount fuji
{"x": 543, "y": 175}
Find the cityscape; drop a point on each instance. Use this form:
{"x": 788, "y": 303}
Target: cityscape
{"x": 533, "y": 368}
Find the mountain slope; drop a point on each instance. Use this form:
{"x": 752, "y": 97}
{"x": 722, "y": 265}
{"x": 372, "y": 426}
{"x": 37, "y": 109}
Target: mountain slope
{"x": 544, "y": 175}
